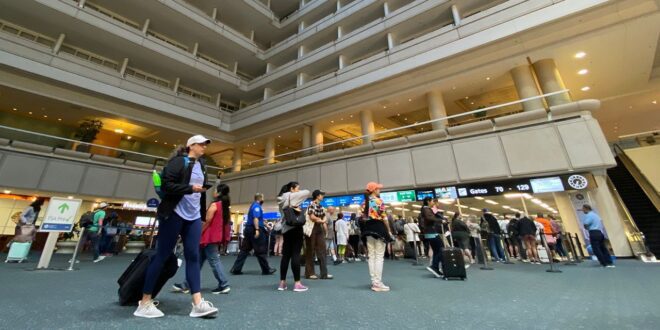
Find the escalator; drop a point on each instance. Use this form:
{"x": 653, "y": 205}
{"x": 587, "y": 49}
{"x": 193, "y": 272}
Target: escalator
{"x": 642, "y": 210}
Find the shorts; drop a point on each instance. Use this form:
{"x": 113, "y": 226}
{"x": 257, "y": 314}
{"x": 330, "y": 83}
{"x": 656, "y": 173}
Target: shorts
{"x": 515, "y": 240}
{"x": 463, "y": 243}
{"x": 329, "y": 244}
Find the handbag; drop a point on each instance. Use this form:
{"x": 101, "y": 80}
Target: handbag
{"x": 308, "y": 227}
{"x": 292, "y": 217}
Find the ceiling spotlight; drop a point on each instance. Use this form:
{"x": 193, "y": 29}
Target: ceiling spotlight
{"x": 279, "y": 136}
{"x": 156, "y": 141}
{"x": 384, "y": 107}
{"x": 59, "y": 119}
{"x": 409, "y": 100}
{"x": 654, "y": 101}
{"x": 487, "y": 78}
{"x": 580, "y": 54}
{"x": 129, "y": 137}
{"x": 453, "y": 87}
{"x": 45, "y": 116}
{"x": 29, "y": 113}
{"x": 585, "y": 88}
{"x": 351, "y": 116}
{"x": 70, "y": 197}
{"x": 119, "y": 131}
{"x": 165, "y": 143}
{"x": 467, "y": 97}
{"x": 583, "y": 72}
{"x": 332, "y": 122}
{"x": 7, "y": 192}
{"x": 15, "y": 109}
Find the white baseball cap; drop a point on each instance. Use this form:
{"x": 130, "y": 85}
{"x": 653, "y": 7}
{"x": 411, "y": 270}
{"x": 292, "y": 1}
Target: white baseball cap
{"x": 197, "y": 139}
{"x": 103, "y": 205}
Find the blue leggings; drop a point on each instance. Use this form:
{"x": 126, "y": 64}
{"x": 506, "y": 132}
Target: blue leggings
{"x": 168, "y": 232}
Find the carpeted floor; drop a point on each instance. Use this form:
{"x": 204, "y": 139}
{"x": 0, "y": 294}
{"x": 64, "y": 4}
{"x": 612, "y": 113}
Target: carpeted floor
{"x": 519, "y": 296}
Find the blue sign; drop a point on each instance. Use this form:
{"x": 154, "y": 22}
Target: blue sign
{"x": 57, "y": 227}
{"x": 421, "y": 194}
{"x": 153, "y": 202}
{"x": 337, "y": 201}
{"x": 272, "y": 216}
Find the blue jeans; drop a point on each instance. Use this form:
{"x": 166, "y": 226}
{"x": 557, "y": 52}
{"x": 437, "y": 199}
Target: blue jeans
{"x": 168, "y": 233}
{"x": 210, "y": 253}
{"x": 96, "y": 243}
{"x": 495, "y": 245}
{"x": 436, "y": 245}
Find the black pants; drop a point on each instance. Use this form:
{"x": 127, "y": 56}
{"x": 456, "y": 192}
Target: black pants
{"x": 259, "y": 245}
{"x": 436, "y": 245}
{"x": 293, "y": 242}
{"x": 419, "y": 247}
{"x": 598, "y": 246}
{"x": 354, "y": 241}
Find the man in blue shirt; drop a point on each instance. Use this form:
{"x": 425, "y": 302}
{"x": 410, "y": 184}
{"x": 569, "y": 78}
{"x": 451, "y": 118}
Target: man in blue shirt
{"x": 256, "y": 238}
{"x": 594, "y": 225}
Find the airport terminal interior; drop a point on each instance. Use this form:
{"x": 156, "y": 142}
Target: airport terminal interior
{"x": 470, "y": 164}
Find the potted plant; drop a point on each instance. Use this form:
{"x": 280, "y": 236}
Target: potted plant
{"x": 87, "y": 132}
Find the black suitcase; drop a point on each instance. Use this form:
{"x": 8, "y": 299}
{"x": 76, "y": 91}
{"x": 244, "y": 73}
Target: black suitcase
{"x": 132, "y": 280}
{"x": 453, "y": 264}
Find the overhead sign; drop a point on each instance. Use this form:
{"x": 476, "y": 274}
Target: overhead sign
{"x": 545, "y": 185}
{"x": 60, "y": 215}
{"x": 446, "y": 193}
{"x": 338, "y": 201}
{"x": 535, "y": 185}
{"x": 153, "y": 202}
{"x": 421, "y": 194}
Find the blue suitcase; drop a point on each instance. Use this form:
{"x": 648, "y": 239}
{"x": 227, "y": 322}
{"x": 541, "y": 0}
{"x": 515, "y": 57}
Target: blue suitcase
{"x": 18, "y": 252}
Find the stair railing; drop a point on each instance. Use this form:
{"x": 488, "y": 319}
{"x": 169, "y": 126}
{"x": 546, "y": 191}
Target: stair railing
{"x": 639, "y": 177}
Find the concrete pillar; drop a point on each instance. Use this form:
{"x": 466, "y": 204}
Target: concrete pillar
{"x": 306, "y": 137}
{"x": 124, "y": 65}
{"x": 269, "y": 154}
{"x": 301, "y": 26}
{"x": 268, "y": 92}
{"x": 58, "y": 43}
{"x": 268, "y": 4}
{"x": 338, "y": 5}
{"x": 437, "y": 110}
{"x": 301, "y": 51}
{"x": 81, "y": 3}
{"x": 340, "y": 32}
{"x": 301, "y": 4}
{"x": 177, "y": 81}
{"x": 317, "y": 137}
{"x": 386, "y": 9}
{"x": 569, "y": 219}
{"x": 343, "y": 61}
{"x": 218, "y": 99}
{"x": 214, "y": 14}
{"x": 195, "y": 49}
{"x": 606, "y": 206}
{"x": 302, "y": 79}
{"x": 145, "y": 27}
{"x": 252, "y": 35}
{"x": 237, "y": 159}
{"x": 368, "y": 127}
{"x": 526, "y": 87}
{"x": 235, "y": 67}
{"x": 390, "y": 41}
{"x": 269, "y": 67}
{"x": 456, "y": 15}
{"x": 550, "y": 81}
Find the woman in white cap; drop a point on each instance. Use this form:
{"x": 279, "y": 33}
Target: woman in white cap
{"x": 180, "y": 213}
{"x": 378, "y": 233}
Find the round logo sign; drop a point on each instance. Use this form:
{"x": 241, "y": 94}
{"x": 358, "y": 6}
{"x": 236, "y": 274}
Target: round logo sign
{"x": 577, "y": 181}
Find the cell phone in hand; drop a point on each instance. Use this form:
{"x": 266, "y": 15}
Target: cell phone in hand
{"x": 207, "y": 186}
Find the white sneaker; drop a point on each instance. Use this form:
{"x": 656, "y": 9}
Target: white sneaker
{"x": 99, "y": 258}
{"x": 204, "y": 309}
{"x": 148, "y": 310}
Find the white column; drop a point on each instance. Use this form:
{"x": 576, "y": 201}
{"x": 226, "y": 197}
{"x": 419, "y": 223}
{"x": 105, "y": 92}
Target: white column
{"x": 268, "y": 92}
{"x": 268, "y": 4}
{"x": 252, "y": 35}
{"x": 237, "y": 159}
{"x": 58, "y": 43}
{"x": 390, "y": 41}
{"x": 550, "y": 81}
{"x": 301, "y": 51}
{"x": 124, "y": 65}
{"x": 606, "y": 206}
{"x": 195, "y": 49}
{"x": 270, "y": 150}
{"x": 456, "y": 15}
{"x": 306, "y": 136}
{"x": 81, "y": 3}
{"x": 177, "y": 81}
{"x": 343, "y": 61}
{"x": 235, "y": 67}
{"x": 386, "y": 9}
{"x": 368, "y": 128}
{"x": 301, "y": 26}
{"x": 145, "y": 27}
{"x": 301, "y": 79}
{"x": 569, "y": 219}
{"x": 301, "y": 4}
{"x": 340, "y": 32}
{"x": 436, "y": 104}
{"x": 526, "y": 87}
{"x": 269, "y": 67}
{"x": 317, "y": 137}
{"x": 214, "y": 14}
{"x": 338, "y": 5}
{"x": 218, "y": 99}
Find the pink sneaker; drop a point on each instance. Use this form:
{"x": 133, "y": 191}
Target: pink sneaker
{"x": 282, "y": 286}
{"x": 380, "y": 287}
{"x": 299, "y": 288}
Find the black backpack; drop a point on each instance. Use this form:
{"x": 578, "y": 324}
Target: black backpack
{"x": 87, "y": 219}
{"x": 398, "y": 227}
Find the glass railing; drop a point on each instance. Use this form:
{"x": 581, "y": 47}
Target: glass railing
{"x": 34, "y": 141}
{"x": 388, "y": 134}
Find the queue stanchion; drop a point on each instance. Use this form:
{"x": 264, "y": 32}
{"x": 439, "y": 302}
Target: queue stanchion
{"x": 574, "y": 248}
{"x": 483, "y": 255}
{"x": 416, "y": 262}
{"x": 549, "y": 252}
{"x": 578, "y": 246}
{"x": 507, "y": 258}
{"x": 75, "y": 251}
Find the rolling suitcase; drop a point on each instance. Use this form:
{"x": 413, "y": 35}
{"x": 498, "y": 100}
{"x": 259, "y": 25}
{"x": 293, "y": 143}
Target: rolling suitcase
{"x": 18, "y": 252}
{"x": 132, "y": 280}
{"x": 453, "y": 264}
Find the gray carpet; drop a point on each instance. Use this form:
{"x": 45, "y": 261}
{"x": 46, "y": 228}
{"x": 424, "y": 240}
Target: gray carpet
{"x": 519, "y": 296}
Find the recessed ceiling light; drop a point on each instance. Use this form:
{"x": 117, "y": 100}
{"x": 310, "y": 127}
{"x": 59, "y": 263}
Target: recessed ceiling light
{"x": 45, "y": 116}
{"x": 341, "y": 118}
{"x": 59, "y": 119}
{"x": 70, "y": 197}
{"x": 487, "y": 78}
{"x": 654, "y": 101}
{"x": 472, "y": 103}
{"x": 630, "y": 107}
{"x": 332, "y": 122}
{"x": 165, "y": 143}
{"x": 29, "y": 113}
{"x": 467, "y": 97}
{"x": 351, "y": 116}
{"x": 403, "y": 119}
{"x": 7, "y": 191}
{"x": 119, "y": 131}
{"x": 583, "y": 72}
{"x": 384, "y": 107}
{"x": 279, "y": 136}
{"x": 296, "y": 131}
{"x": 409, "y": 100}
{"x": 453, "y": 87}
{"x": 580, "y": 54}
{"x": 129, "y": 137}
{"x": 15, "y": 109}
{"x": 398, "y": 115}
{"x": 585, "y": 88}
{"x": 156, "y": 141}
